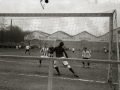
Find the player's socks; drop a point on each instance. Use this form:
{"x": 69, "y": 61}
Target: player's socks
{"x": 71, "y": 70}
{"x": 40, "y": 62}
{"x": 88, "y": 65}
{"x": 58, "y": 74}
{"x": 76, "y": 75}
{"x": 83, "y": 64}
{"x": 57, "y": 69}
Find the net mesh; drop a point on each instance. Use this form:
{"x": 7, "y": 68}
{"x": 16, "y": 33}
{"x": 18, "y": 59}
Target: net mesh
{"x": 71, "y": 25}
{"x": 96, "y": 28}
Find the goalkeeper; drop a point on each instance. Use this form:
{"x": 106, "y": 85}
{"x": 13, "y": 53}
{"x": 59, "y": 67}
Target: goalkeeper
{"x": 60, "y": 53}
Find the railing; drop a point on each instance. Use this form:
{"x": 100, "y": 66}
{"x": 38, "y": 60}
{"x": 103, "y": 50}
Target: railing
{"x": 50, "y": 77}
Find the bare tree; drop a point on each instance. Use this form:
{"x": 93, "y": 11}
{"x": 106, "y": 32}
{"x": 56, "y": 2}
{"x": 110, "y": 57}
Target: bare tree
{"x": 2, "y": 28}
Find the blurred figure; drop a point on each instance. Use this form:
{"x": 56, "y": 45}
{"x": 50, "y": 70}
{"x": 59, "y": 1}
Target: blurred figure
{"x": 73, "y": 49}
{"x": 44, "y": 53}
{"x": 90, "y": 51}
{"x": 19, "y": 46}
{"x": 86, "y": 55}
{"x": 105, "y": 50}
{"x": 50, "y": 50}
{"x": 27, "y": 49}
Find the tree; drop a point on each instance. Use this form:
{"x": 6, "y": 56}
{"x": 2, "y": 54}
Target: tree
{"x": 14, "y": 35}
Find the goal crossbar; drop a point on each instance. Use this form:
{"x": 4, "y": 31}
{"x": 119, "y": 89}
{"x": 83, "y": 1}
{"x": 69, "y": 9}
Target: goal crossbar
{"x": 56, "y": 14}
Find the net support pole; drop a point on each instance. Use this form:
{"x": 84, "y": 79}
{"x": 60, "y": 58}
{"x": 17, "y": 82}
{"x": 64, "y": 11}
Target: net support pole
{"x": 110, "y": 47}
{"x": 113, "y": 68}
{"x": 50, "y": 76}
{"x": 117, "y": 43}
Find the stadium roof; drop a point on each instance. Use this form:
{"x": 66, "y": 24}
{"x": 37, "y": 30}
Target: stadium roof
{"x": 85, "y": 32}
{"x": 46, "y": 34}
{"x": 61, "y": 32}
{"x": 64, "y": 33}
{"x": 113, "y": 31}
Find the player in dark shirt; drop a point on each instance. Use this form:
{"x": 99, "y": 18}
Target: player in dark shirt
{"x": 61, "y": 53}
{"x": 50, "y": 49}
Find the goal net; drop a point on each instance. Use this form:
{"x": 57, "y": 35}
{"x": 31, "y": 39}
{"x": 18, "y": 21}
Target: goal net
{"x": 96, "y": 32}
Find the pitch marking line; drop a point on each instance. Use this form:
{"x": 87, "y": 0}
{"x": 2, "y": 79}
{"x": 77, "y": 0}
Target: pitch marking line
{"x": 59, "y": 65}
{"x": 7, "y": 61}
{"x": 72, "y": 79}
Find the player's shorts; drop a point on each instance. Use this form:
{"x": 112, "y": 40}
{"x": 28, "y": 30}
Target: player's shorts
{"x": 43, "y": 56}
{"x": 27, "y": 50}
{"x": 51, "y": 55}
{"x": 65, "y": 63}
{"x": 85, "y": 58}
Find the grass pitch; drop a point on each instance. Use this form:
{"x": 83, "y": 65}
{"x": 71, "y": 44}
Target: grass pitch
{"x": 27, "y": 75}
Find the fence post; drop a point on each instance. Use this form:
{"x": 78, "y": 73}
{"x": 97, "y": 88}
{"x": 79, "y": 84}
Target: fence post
{"x": 50, "y": 76}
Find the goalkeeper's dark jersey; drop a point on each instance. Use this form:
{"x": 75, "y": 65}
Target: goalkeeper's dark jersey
{"x": 59, "y": 51}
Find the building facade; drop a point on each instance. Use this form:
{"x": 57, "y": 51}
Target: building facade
{"x": 83, "y": 39}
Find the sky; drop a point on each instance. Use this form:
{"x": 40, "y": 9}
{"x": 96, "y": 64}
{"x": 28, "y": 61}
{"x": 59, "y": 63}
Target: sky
{"x": 63, "y": 6}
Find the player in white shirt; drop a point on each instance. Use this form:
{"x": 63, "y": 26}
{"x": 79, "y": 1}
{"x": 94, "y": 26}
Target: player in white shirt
{"x": 44, "y": 53}
{"x": 27, "y": 49}
{"x": 86, "y": 55}
{"x": 73, "y": 50}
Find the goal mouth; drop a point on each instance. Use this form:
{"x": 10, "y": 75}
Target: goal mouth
{"x": 76, "y": 30}
{"x": 83, "y": 29}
